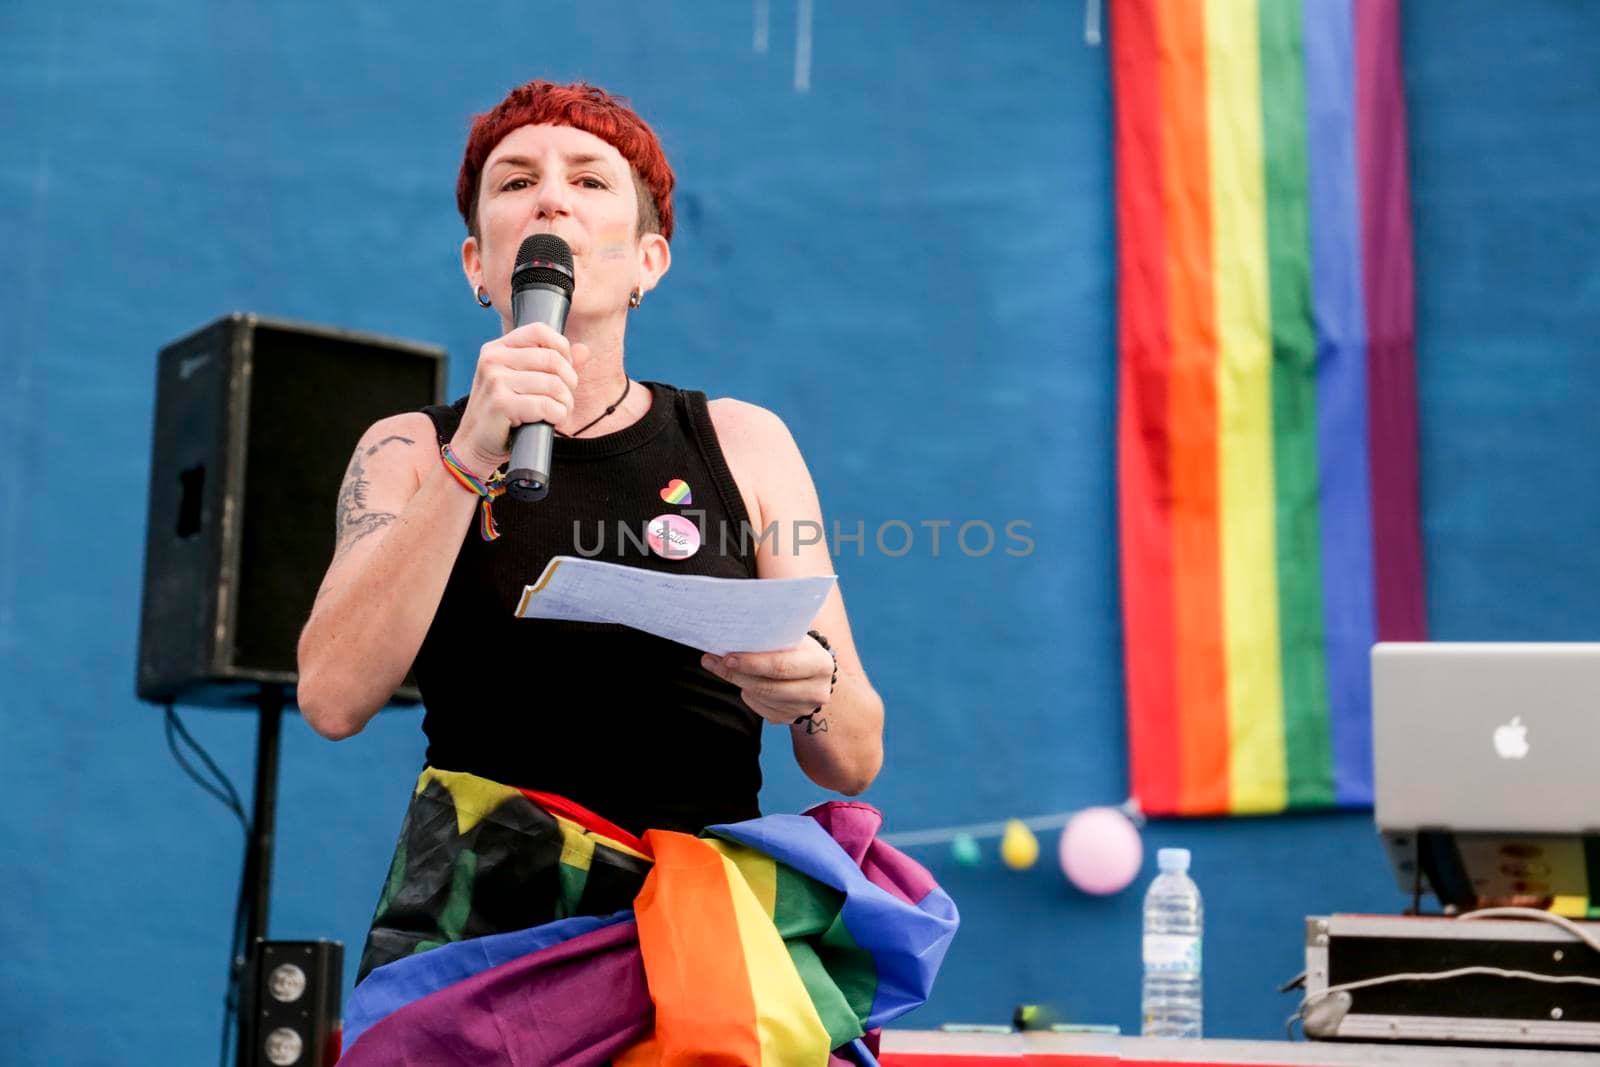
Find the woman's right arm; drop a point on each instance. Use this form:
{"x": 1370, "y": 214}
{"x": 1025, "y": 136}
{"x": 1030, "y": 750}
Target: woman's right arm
{"x": 401, "y": 519}
{"x": 399, "y": 528}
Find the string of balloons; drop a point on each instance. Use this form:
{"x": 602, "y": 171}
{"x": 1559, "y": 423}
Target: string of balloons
{"x": 1100, "y": 849}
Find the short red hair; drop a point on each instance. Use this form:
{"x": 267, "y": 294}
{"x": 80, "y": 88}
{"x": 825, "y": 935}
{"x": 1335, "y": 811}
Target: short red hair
{"x": 583, "y": 107}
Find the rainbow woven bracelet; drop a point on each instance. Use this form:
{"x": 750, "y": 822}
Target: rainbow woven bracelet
{"x": 494, "y": 487}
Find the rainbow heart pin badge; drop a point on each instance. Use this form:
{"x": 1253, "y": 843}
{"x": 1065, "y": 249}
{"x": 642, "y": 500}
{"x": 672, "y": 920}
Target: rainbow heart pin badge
{"x": 677, "y": 492}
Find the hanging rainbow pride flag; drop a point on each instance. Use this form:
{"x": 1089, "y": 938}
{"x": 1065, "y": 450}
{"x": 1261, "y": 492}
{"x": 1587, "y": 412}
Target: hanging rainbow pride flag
{"x": 1267, "y": 424}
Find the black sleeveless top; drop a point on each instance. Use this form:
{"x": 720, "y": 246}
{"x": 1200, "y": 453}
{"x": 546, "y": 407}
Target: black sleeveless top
{"x": 627, "y": 724}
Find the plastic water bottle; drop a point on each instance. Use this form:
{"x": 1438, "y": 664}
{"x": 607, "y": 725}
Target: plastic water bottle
{"x": 1170, "y": 1004}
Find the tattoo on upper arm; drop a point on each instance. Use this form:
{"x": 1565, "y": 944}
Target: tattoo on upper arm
{"x": 386, "y": 440}
{"x": 353, "y": 519}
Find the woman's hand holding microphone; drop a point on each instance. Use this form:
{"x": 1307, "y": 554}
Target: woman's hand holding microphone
{"x": 528, "y": 375}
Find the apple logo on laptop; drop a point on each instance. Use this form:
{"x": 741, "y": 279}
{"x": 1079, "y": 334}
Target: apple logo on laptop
{"x": 1511, "y": 739}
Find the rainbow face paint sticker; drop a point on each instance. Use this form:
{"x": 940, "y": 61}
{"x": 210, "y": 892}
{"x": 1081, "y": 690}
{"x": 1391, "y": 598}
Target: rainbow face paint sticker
{"x": 677, "y": 492}
{"x": 613, "y": 242}
{"x": 672, "y": 537}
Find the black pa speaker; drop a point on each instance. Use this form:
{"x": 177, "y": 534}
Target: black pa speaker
{"x": 256, "y": 419}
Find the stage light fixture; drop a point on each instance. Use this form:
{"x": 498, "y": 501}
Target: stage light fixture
{"x": 293, "y": 1004}
{"x": 286, "y": 983}
{"x": 283, "y": 1047}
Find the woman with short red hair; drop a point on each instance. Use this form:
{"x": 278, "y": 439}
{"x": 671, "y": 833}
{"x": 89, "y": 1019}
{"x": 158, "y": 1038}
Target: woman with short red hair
{"x": 635, "y": 731}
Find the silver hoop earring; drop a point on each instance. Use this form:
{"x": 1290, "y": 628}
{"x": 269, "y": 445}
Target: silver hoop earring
{"x": 483, "y": 297}
{"x": 635, "y": 298}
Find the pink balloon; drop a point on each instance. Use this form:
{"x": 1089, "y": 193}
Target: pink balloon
{"x": 1101, "y": 851}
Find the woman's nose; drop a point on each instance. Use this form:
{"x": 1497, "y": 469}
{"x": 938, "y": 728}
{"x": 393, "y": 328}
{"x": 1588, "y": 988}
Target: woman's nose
{"x": 553, "y": 198}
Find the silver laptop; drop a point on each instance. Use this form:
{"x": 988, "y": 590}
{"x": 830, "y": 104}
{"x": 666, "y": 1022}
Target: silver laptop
{"x": 1495, "y": 738}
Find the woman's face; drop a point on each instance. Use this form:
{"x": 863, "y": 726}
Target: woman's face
{"x": 560, "y": 180}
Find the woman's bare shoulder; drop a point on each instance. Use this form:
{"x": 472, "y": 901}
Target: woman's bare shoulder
{"x": 741, "y": 418}
{"x": 408, "y": 437}
{"x": 752, "y": 439}
{"x": 764, "y": 458}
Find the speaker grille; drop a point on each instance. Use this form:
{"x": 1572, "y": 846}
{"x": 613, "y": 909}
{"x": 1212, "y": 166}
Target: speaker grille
{"x": 311, "y": 398}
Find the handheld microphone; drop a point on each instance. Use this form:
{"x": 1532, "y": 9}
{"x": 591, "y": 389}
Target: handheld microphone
{"x": 541, "y": 291}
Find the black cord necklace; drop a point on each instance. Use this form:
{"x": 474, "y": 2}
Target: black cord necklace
{"x": 627, "y": 384}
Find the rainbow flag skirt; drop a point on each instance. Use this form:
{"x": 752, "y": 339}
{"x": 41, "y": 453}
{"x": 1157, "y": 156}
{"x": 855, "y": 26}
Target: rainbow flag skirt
{"x": 516, "y": 927}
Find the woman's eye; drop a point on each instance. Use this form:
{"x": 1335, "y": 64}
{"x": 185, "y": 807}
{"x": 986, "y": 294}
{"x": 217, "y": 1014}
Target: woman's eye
{"x": 514, "y": 184}
{"x": 592, "y": 183}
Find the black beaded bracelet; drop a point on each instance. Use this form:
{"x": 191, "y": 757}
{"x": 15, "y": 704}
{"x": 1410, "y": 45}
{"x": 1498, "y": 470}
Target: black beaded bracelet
{"x": 810, "y": 716}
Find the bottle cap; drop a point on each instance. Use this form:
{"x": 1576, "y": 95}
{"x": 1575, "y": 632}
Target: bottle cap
{"x": 1173, "y": 859}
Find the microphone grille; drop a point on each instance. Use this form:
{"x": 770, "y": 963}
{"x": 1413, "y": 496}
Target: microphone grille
{"x": 543, "y": 259}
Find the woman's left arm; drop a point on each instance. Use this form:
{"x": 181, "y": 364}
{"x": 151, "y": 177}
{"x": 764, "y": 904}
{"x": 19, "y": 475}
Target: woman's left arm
{"x": 841, "y": 746}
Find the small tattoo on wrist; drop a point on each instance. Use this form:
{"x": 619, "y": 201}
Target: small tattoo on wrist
{"x": 815, "y": 723}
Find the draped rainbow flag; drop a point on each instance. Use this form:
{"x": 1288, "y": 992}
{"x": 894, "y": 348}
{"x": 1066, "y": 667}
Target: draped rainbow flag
{"x": 771, "y": 942}
{"x": 1267, "y": 426}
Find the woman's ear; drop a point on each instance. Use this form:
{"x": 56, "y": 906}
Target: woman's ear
{"x": 655, "y": 258}
{"x": 472, "y": 263}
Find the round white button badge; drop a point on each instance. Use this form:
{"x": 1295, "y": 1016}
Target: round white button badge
{"x": 672, "y": 537}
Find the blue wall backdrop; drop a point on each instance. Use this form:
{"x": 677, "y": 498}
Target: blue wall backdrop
{"x": 165, "y": 162}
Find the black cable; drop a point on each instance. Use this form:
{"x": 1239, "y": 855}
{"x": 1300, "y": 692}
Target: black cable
{"x": 229, "y": 797}
{"x": 188, "y": 768}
